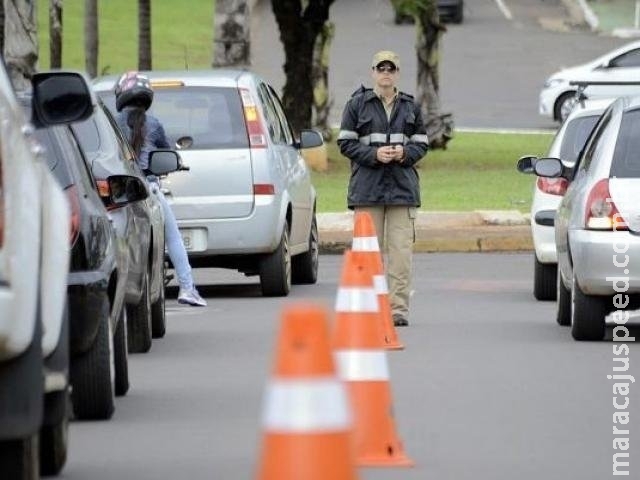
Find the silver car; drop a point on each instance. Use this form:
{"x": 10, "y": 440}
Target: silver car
{"x": 247, "y": 202}
{"x": 597, "y": 225}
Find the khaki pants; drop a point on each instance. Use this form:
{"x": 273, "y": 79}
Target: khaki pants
{"x": 395, "y": 228}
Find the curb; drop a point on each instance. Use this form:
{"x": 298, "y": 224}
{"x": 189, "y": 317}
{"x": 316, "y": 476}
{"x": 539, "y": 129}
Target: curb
{"x": 477, "y": 231}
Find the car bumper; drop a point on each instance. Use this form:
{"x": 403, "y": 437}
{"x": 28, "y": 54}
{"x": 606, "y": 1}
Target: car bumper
{"x": 544, "y": 243}
{"x": 88, "y": 301}
{"x": 547, "y": 101}
{"x": 594, "y": 258}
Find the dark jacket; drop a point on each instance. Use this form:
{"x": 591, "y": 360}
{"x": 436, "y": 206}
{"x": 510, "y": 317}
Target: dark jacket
{"x": 364, "y": 128}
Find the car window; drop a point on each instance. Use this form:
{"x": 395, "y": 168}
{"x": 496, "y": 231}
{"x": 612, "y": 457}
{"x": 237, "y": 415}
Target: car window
{"x": 626, "y": 158}
{"x": 288, "y": 133}
{"x": 126, "y": 151}
{"x": 276, "y": 131}
{"x": 594, "y": 147}
{"x": 88, "y": 135}
{"x": 73, "y": 154}
{"x": 575, "y": 136}
{"x": 628, "y": 59}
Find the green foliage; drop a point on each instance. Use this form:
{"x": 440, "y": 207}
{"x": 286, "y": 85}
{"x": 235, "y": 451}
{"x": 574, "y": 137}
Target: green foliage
{"x": 477, "y": 171}
{"x": 182, "y": 34}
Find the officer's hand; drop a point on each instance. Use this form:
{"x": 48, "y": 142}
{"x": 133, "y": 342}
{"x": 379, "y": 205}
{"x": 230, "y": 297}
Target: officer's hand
{"x": 385, "y": 154}
{"x": 398, "y": 153}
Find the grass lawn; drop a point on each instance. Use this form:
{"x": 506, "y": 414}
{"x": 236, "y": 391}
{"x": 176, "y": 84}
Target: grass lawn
{"x": 476, "y": 172}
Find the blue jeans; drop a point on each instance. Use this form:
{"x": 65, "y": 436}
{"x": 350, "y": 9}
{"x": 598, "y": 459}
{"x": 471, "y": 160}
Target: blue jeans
{"x": 173, "y": 239}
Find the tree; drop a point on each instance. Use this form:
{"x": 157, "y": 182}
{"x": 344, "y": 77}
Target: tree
{"x": 144, "y": 34}
{"x": 55, "y": 33}
{"x": 20, "y": 41}
{"x": 91, "y": 36}
{"x": 322, "y": 101}
{"x": 299, "y": 27}
{"x": 232, "y": 33}
{"x": 429, "y": 31}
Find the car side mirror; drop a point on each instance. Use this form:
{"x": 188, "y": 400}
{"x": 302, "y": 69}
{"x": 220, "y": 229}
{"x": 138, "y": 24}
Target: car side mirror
{"x": 125, "y": 189}
{"x": 525, "y": 164}
{"x": 60, "y": 97}
{"x": 162, "y": 162}
{"x": 310, "y": 139}
{"x": 548, "y": 167}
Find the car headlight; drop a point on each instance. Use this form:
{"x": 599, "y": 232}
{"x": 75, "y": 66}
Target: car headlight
{"x": 552, "y": 82}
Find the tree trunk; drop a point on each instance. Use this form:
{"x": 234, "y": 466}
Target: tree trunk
{"x": 20, "y": 41}
{"x": 91, "y": 35}
{"x": 55, "y": 33}
{"x": 144, "y": 34}
{"x": 232, "y": 34}
{"x": 429, "y": 32}
{"x": 299, "y": 28}
{"x": 320, "y": 77}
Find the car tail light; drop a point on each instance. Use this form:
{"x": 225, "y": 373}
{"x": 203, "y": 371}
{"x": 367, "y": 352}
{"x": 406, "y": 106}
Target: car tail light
{"x": 263, "y": 189}
{"x": 74, "y": 204}
{"x": 552, "y": 186}
{"x": 601, "y": 212}
{"x": 104, "y": 191}
{"x": 255, "y": 129}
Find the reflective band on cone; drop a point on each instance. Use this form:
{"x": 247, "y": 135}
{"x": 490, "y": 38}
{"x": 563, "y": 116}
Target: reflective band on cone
{"x": 365, "y": 244}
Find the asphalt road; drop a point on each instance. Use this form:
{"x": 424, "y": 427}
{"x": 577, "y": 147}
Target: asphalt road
{"x": 492, "y": 68}
{"x": 488, "y": 387}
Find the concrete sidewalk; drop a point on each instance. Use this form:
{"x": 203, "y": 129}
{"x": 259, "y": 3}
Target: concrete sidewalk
{"x": 476, "y": 231}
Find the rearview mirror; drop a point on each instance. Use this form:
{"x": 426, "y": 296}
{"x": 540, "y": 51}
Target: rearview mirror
{"x": 125, "y": 189}
{"x": 60, "y": 97}
{"x": 548, "y": 167}
{"x": 525, "y": 164}
{"x": 162, "y": 162}
{"x": 310, "y": 139}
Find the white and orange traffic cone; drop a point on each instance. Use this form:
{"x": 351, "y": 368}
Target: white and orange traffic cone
{"x": 366, "y": 242}
{"x": 307, "y": 419}
{"x": 362, "y": 364}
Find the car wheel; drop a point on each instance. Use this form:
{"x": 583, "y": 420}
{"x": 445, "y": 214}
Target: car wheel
{"x": 158, "y": 315}
{"x": 275, "y": 269}
{"x": 54, "y": 438}
{"x": 19, "y": 458}
{"x": 587, "y": 314}
{"x": 304, "y": 267}
{"x": 563, "y": 315}
{"x": 139, "y": 321}
{"x": 544, "y": 279}
{"x": 92, "y": 377}
{"x": 564, "y": 105}
{"x": 121, "y": 356}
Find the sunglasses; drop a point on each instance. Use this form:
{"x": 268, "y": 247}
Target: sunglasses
{"x": 386, "y": 68}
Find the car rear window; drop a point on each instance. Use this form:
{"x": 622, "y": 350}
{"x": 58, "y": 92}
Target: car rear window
{"x": 626, "y": 157}
{"x": 575, "y": 136}
{"x": 212, "y": 116}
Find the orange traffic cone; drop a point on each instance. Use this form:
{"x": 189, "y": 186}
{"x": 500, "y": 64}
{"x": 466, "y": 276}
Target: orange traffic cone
{"x": 365, "y": 241}
{"x": 307, "y": 418}
{"x": 362, "y": 364}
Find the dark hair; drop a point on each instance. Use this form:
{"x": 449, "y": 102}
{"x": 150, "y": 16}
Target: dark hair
{"x": 136, "y": 120}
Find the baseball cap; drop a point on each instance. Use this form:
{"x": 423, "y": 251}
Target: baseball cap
{"x": 385, "y": 56}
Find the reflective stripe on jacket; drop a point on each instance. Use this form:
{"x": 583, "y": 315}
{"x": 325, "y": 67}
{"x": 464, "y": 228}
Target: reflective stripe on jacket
{"x": 364, "y": 128}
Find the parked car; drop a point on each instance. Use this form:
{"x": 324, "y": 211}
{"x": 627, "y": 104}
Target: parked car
{"x": 248, "y": 202}
{"x": 140, "y": 225}
{"x": 547, "y": 193}
{"x": 449, "y": 10}
{"x": 597, "y": 225}
{"x": 34, "y": 256}
{"x": 558, "y": 96}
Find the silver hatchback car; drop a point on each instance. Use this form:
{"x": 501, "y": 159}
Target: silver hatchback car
{"x": 597, "y": 224}
{"x": 247, "y": 202}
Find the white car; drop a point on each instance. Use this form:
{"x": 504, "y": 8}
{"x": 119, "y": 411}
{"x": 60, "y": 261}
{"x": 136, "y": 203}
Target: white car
{"x": 622, "y": 64}
{"x": 34, "y": 262}
{"x": 548, "y": 192}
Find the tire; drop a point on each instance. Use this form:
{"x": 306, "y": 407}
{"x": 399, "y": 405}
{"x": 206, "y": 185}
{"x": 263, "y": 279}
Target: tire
{"x": 563, "y": 315}
{"x": 121, "y": 356}
{"x": 544, "y": 280}
{"x": 275, "y": 269}
{"x": 304, "y": 267}
{"x": 19, "y": 459}
{"x": 92, "y": 376}
{"x": 54, "y": 438}
{"x": 139, "y": 321}
{"x": 158, "y": 315}
{"x": 587, "y": 314}
{"x": 563, "y": 106}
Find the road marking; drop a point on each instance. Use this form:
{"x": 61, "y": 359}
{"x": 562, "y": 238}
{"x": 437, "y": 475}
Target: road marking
{"x": 504, "y": 9}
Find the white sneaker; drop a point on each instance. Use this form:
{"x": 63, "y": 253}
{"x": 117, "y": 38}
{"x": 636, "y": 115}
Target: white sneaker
{"x": 191, "y": 297}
